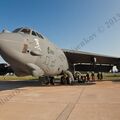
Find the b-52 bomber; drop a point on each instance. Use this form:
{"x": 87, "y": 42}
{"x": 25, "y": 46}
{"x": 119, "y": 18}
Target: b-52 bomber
{"x": 30, "y": 53}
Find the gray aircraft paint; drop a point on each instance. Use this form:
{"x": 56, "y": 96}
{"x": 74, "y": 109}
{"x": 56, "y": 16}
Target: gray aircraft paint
{"x": 31, "y": 55}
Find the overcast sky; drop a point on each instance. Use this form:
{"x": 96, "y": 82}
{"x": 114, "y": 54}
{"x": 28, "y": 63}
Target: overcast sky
{"x": 86, "y": 25}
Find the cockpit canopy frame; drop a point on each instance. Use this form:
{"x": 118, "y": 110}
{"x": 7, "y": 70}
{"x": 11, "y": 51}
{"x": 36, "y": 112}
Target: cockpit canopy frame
{"x": 28, "y": 31}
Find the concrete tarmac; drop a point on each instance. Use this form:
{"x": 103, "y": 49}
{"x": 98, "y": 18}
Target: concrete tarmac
{"x": 28, "y": 101}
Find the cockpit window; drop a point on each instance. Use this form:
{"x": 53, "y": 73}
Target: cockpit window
{"x": 34, "y": 33}
{"x": 26, "y": 31}
{"x": 40, "y": 36}
{"x": 17, "y": 30}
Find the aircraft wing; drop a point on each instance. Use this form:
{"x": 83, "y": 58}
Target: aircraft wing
{"x": 75, "y": 57}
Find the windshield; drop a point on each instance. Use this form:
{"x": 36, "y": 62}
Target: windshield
{"x": 23, "y": 30}
{"x": 17, "y": 30}
{"x": 26, "y": 31}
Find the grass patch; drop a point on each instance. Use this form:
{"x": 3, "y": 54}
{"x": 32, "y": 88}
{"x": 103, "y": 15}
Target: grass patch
{"x": 106, "y": 76}
{"x": 111, "y": 76}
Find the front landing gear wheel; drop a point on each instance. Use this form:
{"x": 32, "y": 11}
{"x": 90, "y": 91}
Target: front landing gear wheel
{"x": 43, "y": 80}
{"x": 62, "y": 80}
{"x": 68, "y": 80}
{"x": 52, "y": 80}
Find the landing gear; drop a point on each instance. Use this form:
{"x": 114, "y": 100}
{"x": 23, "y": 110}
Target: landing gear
{"x": 67, "y": 78}
{"x": 46, "y": 80}
{"x": 69, "y": 82}
{"x": 43, "y": 80}
{"x": 77, "y": 76}
{"x": 62, "y": 81}
{"x": 52, "y": 80}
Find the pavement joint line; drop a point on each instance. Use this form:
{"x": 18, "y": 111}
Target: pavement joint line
{"x": 64, "y": 115}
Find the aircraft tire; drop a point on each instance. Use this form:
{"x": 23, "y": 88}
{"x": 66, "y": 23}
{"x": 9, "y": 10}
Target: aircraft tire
{"x": 68, "y": 80}
{"x": 62, "y": 80}
{"x": 52, "y": 80}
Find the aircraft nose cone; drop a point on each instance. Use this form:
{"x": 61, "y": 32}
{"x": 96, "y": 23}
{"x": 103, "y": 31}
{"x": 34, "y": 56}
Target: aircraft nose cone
{"x": 4, "y": 41}
{"x": 2, "y": 38}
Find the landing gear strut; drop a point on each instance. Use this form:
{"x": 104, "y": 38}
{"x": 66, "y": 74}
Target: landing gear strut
{"x": 43, "y": 80}
{"x": 52, "y": 80}
{"x": 67, "y": 78}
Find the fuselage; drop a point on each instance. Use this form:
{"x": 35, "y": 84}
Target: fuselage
{"x": 30, "y": 53}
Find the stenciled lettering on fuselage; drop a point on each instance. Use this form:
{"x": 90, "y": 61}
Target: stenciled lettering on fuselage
{"x": 49, "y": 61}
{"x": 50, "y": 51}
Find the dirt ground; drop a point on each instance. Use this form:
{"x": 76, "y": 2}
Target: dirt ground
{"x": 26, "y": 100}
